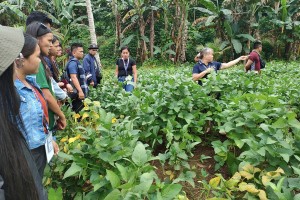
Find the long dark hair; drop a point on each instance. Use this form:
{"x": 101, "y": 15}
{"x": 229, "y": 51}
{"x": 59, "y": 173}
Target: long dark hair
{"x": 36, "y": 30}
{"x": 29, "y": 45}
{"x": 54, "y": 65}
{"x": 14, "y": 168}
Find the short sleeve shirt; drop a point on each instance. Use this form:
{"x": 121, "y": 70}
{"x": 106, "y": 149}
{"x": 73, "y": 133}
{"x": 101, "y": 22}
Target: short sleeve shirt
{"x": 201, "y": 67}
{"x": 254, "y": 57}
{"x": 73, "y": 68}
{"x": 123, "y": 64}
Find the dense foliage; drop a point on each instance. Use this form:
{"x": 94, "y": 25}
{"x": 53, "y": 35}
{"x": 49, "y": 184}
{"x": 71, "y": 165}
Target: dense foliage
{"x": 172, "y": 30}
{"x": 112, "y": 149}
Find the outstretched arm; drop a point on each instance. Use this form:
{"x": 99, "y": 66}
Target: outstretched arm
{"x": 233, "y": 62}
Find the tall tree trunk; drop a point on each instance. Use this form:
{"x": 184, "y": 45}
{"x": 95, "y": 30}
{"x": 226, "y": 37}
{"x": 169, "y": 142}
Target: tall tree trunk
{"x": 118, "y": 25}
{"x": 181, "y": 32}
{"x": 92, "y": 26}
{"x": 184, "y": 39}
{"x": 152, "y": 34}
{"x": 144, "y": 49}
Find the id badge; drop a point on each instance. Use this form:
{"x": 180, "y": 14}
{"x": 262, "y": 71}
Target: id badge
{"x": 49, "y": 146}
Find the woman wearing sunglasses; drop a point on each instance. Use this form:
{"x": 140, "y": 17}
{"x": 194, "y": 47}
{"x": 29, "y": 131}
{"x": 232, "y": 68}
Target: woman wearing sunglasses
{"x": 44, "y": 37}
{"x": 19, "y": 177}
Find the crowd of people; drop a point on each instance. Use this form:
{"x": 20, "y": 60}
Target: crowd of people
{"x": 33, "y": 88}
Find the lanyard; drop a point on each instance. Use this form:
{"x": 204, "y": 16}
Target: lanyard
{"x": 125, "y": 65}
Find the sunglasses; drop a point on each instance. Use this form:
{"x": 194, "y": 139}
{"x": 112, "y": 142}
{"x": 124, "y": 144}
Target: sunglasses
{"x": 94, "y": 49}
{"x": 42, "y": 30}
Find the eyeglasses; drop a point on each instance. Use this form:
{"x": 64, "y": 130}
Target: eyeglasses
{"x": 39, "y": 30}
{"x": 94, "y": 49}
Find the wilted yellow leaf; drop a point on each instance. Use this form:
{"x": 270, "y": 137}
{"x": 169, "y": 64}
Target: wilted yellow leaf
{"x": 214, "y": 182}
{"x": 247, "y": 175}
{"x": 231, "y": 183}
{"x": 64, "y": 139}
{"x": 96, "y": 103}
{"x": 73, "y": 139}
{"x": 279, "y": 170}
{"x": 236, "y": 176}
{"x": 248, "y": 187}
{"x": 76, "y": 116}
{"x": 65, "y": 149}
{"x": 242, "y": 186}
{"x": 251, "y": 188}
{"x": 113, "y": 120}
{"x": 265, "y": 180}
{"x": 251, "y": 169}
{"x": 48, "y": 181}
{"x": 262, "y": 195}
{"x": 85, "y": 115}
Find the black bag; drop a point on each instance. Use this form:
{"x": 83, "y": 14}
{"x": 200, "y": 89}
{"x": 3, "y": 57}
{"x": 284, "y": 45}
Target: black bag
{"x": 262, "y": 63}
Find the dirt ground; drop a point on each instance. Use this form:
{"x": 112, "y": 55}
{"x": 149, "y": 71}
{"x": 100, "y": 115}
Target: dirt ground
{"x": 208, "y": 164}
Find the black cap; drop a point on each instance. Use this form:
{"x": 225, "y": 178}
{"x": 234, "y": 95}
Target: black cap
{"x": 93, "y": 46}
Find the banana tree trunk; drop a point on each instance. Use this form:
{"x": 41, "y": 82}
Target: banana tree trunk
{"x": 144, "y": 50}
{"x": 152, "y": 34}
{"x": 185, "y": 34}
{"x": 118, "y": 25}
{"x": 92, "y": 26}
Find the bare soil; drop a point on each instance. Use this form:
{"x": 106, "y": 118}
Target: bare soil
{"x": 194, "y": 193}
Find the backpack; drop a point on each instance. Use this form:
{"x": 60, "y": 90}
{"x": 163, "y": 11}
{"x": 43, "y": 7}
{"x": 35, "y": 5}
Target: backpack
{"x": 262, "y": 62}
{"x": 66, "y": 75}
{"x": 66, "y": 78}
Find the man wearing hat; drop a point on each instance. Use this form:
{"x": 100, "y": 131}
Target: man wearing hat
{"x": 91, "y": 66}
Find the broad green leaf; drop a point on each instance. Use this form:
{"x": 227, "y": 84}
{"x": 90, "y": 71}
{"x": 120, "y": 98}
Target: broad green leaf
{"x": 146, "y": 181}
{"x": 280, "y": 123}
{"x": 114, "y": 195}
{"x": 296, "y": 170}
{"x": 139, "y": 155}
{"x": 170, "y": 191}
{"x": 294, "y": 123}
{"x": 247, "y": 36}
{"x": 270, "y": 141}
{"x": 146, "y": 39}
{"x": 237, "y": 45}
{"x": 55, "y": 194}
{"x": 65, "y": 156}
{"x": 285, "y": 157}
{"x": 113, "y": 178}
{"x": 204, "y": 10}
{"x": 123, "y": 171}
{"x": 210, "y": 20}
{"x": 72, "y": 170}
{"x": 228, "y": 29}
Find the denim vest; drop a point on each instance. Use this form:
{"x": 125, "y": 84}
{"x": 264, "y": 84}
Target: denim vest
{"x": 32, "y": 114}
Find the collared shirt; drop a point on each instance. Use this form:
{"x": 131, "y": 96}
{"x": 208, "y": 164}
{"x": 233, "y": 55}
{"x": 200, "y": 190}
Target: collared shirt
{"x": 91, "y": 67}
{"x": 201, "y": 67}
{"x": 32, "y": 113}
{"x": 254, "y": 57}
{"x": 75, "y": 67}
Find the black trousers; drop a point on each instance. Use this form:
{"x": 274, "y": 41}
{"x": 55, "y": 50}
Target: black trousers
{"x": 40, "y": 158}
{"x": 77, "y": 105}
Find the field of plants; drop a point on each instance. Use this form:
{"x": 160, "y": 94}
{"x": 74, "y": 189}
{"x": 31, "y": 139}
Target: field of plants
{"x": 237, "y": 137}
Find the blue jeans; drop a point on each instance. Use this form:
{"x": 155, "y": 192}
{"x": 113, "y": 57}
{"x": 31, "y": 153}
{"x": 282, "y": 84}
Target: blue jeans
{"x": 127, "y": 87}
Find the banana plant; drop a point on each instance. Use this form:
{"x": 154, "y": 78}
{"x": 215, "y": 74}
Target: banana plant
{"x": 222, "y": 19}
